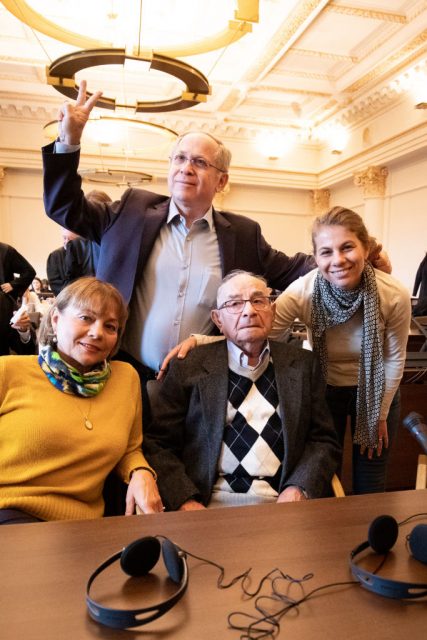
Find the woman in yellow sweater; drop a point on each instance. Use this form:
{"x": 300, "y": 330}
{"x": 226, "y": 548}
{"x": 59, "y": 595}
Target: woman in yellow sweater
{"x": 69, "y": 416}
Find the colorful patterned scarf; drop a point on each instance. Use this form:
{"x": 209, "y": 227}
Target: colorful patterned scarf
{"x": 70, "y": 380}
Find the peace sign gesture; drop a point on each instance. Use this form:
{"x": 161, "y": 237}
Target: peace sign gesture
{"x": 72, "y": 118}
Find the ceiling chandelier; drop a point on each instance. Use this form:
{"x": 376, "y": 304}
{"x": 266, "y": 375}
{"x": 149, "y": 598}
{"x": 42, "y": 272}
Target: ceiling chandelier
{"x": 61, "y": 74}
{"x": 131, "y": 16}
{"x": 109, "y": 130}
{"x": 131, "y": 136}
{"x": 115, "y": 177}
{"x": 129, "y": 22}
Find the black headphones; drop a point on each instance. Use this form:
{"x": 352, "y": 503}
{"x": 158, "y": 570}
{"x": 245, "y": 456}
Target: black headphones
{"x": 382, "y": 535}
{"x": 137, "y": 559}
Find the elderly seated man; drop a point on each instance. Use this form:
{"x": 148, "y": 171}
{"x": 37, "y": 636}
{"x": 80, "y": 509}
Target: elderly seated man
{"x": 243, "y": 420}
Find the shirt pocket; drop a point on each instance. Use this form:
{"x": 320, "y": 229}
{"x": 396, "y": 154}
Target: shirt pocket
{"x": 209, "y": 283}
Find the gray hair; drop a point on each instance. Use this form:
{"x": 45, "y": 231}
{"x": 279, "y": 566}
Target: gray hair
{"x": 222, "y": 154}
{"x": 239, "y": 272}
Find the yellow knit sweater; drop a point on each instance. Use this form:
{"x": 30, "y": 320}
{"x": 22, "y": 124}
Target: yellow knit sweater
{"x": 51, "y": 465}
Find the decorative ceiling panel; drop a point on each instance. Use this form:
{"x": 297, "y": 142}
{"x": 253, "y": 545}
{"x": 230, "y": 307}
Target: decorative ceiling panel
{"x": 304, "y": 63}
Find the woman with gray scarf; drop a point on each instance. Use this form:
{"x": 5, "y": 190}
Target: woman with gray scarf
{"x": 358, "y": 321}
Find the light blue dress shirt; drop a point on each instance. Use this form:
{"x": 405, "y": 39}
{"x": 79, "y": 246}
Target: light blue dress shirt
{"x": 177, "y": 290}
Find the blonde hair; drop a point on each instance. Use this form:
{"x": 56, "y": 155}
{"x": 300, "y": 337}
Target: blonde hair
{"x": 85, "y": 293}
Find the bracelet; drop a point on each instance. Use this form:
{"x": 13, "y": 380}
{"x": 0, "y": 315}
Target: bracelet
{"x": 153, "y": 473}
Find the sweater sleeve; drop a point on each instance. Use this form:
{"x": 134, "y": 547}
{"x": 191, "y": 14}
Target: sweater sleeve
{"x": 19, "y": 265}
{"x": 133, "y": 456}
{"x": 397, "y": 321}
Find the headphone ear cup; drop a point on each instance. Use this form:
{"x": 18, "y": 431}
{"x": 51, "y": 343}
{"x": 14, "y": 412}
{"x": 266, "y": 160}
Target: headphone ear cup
{"x": 417, "y": 540}
{"x": 383, "y": 533}
{"x": 172, "y": 560}
{"x": 140, "y": 556}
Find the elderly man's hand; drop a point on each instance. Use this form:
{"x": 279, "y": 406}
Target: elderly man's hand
{"x": 72, "y": 118}
{"x": 191, "y": 505}
{"x": 291, "y": 494}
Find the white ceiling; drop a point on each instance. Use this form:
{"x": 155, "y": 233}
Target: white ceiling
{"x": 305, "y": 64}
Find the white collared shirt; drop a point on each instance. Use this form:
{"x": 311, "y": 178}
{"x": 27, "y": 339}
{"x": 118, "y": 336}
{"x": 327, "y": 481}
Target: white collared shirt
{"x": 238, "y": 361}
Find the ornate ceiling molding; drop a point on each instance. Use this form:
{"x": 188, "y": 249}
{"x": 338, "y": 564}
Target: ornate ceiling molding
{"x": 412, "y": 142}
{"x": 287, "y": 35}
{"x": 394, "y": 64}
{"x": 306, "y": 74}
{"x": 28, "y": 112}
{"x": 371, "y": 14}
{"x": 362, "y": 109}
{"x": 281, "y": 90}
{"x": 323, "y": 55}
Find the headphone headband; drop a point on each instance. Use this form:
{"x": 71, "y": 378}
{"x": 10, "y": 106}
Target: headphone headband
{"x": 381, "y": 538}
{"x": 125, "y": 618}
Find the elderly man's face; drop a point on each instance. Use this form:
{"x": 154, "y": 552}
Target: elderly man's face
{"x": 249, "y": 328}
{"x": 192, "y": 187}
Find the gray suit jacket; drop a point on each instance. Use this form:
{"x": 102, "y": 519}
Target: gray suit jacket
{"x": 183, "y": 442}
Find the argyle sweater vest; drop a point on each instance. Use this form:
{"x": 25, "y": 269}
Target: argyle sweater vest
{"x": 253, "y": 447}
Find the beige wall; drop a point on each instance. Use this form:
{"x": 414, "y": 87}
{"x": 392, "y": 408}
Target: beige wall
{"x": 404, "y": 213}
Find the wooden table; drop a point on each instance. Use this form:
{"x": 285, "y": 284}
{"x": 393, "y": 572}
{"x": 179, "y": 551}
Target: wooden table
{"x": 44, "y": 568}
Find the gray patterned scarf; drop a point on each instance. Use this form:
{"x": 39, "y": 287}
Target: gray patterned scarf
{"x": 331, "y": 306}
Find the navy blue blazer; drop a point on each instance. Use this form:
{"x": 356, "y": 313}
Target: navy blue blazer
{"x": 127, "y": 229}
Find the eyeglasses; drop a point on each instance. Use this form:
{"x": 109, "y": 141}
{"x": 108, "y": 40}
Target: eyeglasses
{"x": 259, "y": 303}
{"x": 197, "y": 162}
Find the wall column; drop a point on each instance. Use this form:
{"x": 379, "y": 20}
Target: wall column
{"x": 320, "y": 201}
{"x": 373, "y": 180}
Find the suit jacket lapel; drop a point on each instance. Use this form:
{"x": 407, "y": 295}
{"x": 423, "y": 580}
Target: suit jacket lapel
{"x": 213, "y": 390}
{"x": 289, "y": 388}
{"x": 226, "y": 240}
{"x": 152, "y": 221}
{"x": 154, "y": 218}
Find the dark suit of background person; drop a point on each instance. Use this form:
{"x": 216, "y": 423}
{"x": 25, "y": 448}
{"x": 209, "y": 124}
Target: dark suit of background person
{"x": 82, "y": 255}
{"x": 12, "y": 287}
{"x": 55, "y": 270}
{"x": 184, "y": 441}
{"x": 81, "y": 258}
{"x": 421, "y": 279}
{"x": 55, "y": 264}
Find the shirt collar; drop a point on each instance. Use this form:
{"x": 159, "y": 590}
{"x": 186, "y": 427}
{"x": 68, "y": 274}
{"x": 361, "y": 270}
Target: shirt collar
{"x": 174, "y": 212}
{"x": 242, "y": 359}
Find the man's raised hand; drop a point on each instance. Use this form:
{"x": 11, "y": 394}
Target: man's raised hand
{"x": 72, "y": 118}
